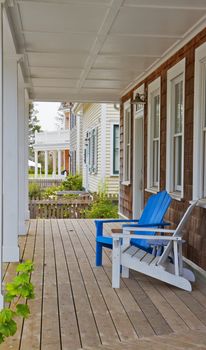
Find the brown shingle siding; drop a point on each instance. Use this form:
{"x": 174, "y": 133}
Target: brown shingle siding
{"x": 195, "y": 232}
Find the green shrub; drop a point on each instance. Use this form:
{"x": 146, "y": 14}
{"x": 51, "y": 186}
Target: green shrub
{"x": 34, "y": 191}
{"x": 51, "y": 192}
{"x": 102, "y": 208}
{"x": 20, "y": 289}
{"x": 73, "y": 183}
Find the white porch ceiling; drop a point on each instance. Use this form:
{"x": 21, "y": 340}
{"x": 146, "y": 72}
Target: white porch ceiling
{"x": 91, "y": 50}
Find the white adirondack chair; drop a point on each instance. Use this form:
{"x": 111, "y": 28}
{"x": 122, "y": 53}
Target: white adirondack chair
{"x": 169, "y": 270}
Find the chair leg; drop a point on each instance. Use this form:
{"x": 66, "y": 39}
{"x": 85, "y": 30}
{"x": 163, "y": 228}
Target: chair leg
{"x": 125, "y": 272}
{"x": 116, "y": 263}
{"x": 98, "y": 254}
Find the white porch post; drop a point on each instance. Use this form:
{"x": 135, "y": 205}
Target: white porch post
{"x": 21, "y": 143}
{"x": 46, "y": 163}
{"x": 10, "y": 161}
{"x": 59, "y": 163}
{"x": 54, "y": 164}
{"x": 26, "y": 156}
{"x": 36, "y": 163}
{"x": 1, "y": 151}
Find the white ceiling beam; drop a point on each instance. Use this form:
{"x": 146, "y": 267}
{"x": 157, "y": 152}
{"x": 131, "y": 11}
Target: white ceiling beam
{"x": 112, "y": 35}
{"x": 63, "y": 2}
{"x": 101, "y": 37}
{"x": 167, "y": 7}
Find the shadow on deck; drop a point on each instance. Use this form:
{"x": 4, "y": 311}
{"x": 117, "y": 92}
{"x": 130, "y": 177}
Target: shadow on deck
{"x": 75, "y": 306}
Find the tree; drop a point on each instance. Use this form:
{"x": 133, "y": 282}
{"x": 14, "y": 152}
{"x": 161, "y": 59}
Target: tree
{"x": 33, "y": 126}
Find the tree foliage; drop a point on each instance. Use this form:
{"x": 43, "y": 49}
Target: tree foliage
{"x": 33, "y": 126}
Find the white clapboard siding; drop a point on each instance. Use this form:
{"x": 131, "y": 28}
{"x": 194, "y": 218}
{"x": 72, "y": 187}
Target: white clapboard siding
{"x": 91, "y": 119}
{"x": 101, "y": 116}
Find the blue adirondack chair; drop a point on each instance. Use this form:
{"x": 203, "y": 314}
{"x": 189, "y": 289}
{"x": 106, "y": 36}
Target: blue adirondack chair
{"x": 152, "y": 216}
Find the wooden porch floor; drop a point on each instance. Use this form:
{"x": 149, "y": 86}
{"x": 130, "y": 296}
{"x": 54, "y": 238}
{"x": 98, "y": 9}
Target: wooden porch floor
{"x": 75, "y": 306}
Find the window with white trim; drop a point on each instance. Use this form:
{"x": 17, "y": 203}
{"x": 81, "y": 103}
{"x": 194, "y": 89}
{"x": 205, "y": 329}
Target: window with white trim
{"x": 127, "y": 143}
{"x": 115, "y": 149}
{"x": 92, "y": 140}
{"x": 175, "y": 128}
{"x": 199, "y": 155}
{"x": 153, "y": 157}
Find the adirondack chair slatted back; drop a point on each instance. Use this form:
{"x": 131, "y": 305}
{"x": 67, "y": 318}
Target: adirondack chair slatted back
{"x": 178, "y": 232}
{"x": 154, "y": 212}
{"x": 155, "y": 208}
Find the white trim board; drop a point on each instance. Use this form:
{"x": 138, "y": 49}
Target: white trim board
{"x": 154, "y": 89}
{"x": 172, "y": 74}
{"x": 200, "y": 67}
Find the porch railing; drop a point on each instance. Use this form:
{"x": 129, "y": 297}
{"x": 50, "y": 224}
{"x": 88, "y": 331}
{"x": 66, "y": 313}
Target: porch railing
{"x": 44, "y": 183}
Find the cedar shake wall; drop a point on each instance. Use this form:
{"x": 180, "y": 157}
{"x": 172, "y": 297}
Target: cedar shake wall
{"x": 195, "y": 233}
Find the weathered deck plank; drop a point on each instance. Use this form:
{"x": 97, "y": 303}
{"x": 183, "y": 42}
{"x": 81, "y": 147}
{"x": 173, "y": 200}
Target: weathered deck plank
{"x": 75, "y": 306}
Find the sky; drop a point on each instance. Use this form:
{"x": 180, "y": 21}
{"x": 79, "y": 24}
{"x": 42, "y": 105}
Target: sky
{"x": 47, "y": 112}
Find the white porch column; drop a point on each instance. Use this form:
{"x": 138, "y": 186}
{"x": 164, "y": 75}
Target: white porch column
{"x": 21, "y": 143}
{"x": 54, "y": 164}
{"x": 10, "y": 161}
{"x": 36, "y": 163}
{"x": 26, "y": 156}
{"x": 1, "y": 153}
{"x": 59, "y": 162}
{"x": 46, "y": 163}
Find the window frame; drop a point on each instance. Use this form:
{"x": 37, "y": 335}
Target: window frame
{"x": 113, "y": 126}
{"x": 175, "y": 75}
{"x": 199, "y": 170}
{"x": 154, "y": 89}
{"x": 127, "y": 161}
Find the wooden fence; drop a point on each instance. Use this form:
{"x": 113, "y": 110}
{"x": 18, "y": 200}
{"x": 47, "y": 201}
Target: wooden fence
{"x": 59, "y": 209}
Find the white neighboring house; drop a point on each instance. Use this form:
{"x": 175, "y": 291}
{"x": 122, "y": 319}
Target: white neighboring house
{"x": 101, "y": 146}
{"x": 56, "y": 143}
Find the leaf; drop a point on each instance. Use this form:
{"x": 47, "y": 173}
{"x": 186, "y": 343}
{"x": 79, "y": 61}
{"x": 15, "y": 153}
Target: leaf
{"x": 27, "y": 266}
{"x": 6, "y": 315}
{"x": 9, "y": 297}
{"x": 9, "y": 328}
{"x": 23, "y": 310}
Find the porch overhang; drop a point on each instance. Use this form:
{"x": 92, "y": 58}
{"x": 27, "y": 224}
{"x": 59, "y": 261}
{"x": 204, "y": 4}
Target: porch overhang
{"x": 91, "y": 50}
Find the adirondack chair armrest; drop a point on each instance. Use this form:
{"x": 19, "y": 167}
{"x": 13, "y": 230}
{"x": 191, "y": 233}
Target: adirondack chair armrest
{"x": 99, "y": 224}
{"x": 147, "y": 229}
{"x": 151, "y": 238}
{"x": 147, "y": 225}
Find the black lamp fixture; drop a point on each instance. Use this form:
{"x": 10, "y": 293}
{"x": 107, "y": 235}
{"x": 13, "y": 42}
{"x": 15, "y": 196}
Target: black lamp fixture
{"x": 139, "y": 99}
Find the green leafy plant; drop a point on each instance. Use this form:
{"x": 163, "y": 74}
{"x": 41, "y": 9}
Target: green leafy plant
{"x": 73, "y": 183}
{"x": 51, "y": 192}
{"x": 34, "y": 191}
{"x": 17, "y": 291}
{"x": 102, "y": 208}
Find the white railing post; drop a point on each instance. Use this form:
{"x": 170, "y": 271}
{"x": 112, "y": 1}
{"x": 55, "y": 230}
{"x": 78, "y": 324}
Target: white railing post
{"x": 59, "y": 163}
{"x": 54, "y": 164}
{"x": 36, "y": 163}
{"x": 46, "y": 163}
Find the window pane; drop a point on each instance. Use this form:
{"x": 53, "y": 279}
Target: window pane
{"x": 116, "y": 149}
{"x": 178, "y": 106}
{"x": 155, "y": 162}
{"x": 178, "y": 162}
{"x": 156, "y": 115}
